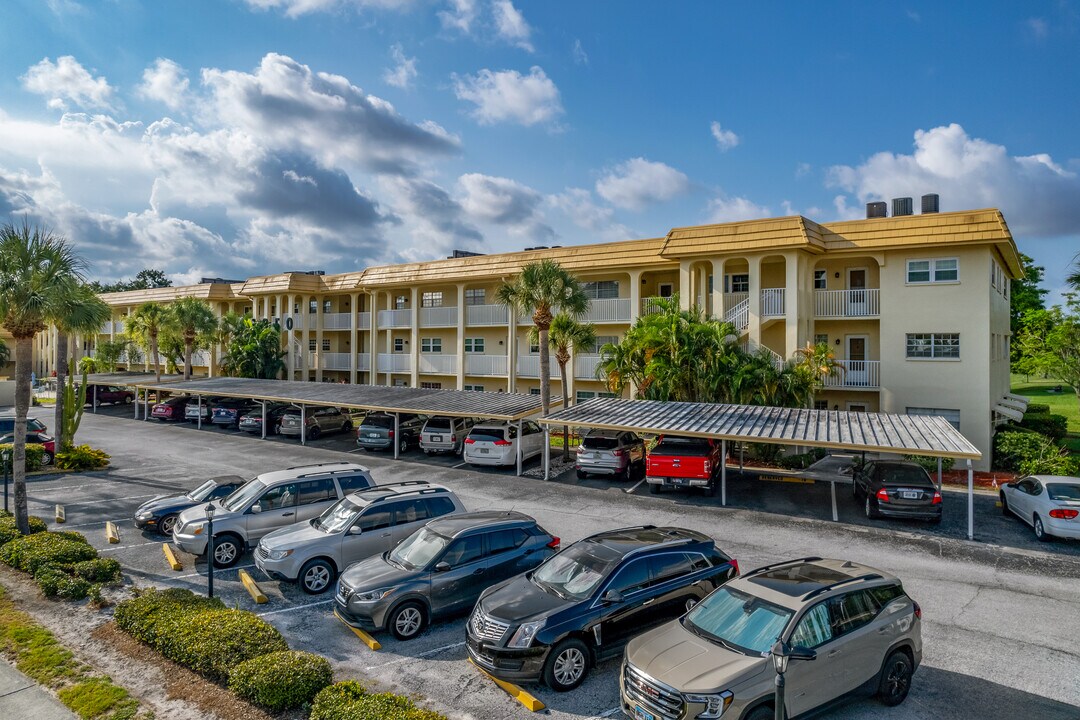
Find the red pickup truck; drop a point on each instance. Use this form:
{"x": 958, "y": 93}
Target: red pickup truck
{"x": 682, "y": 462}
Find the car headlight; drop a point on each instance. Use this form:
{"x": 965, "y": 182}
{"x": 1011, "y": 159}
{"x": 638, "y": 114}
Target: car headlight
{"x": 144, "y": 515}
{"x": 372, "y": 595}
{"x": 194, "y": 528}
{"x": 279, "y": 554}
{"x": 715, "y": 705}
{"x": 525, "y": 634}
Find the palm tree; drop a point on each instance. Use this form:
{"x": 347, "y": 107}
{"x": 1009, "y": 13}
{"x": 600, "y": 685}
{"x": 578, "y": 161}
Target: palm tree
{"x": 565, "y": 335}
{"x": 39, "y": 276}
{"x": 1074, "y": 276}
{"x": 539, "y": 289}
{"x": 815, "y": 363}
{"x": 145, "y": 324}
{"x": 85, "y": 315}
{"x": 255, "y": 351}
{"x": 196, "y": 321}
{"x": 5, "y": 353}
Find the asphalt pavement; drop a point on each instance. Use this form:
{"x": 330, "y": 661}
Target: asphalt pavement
{"x": 1000, "y": 615}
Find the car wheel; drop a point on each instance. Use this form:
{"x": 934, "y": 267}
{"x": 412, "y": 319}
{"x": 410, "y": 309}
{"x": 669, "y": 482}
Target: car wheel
{"x": 46, "y": 458}
{"x": 128, "y": 399}
{"x": 654, "y": 489}
{"x": 868, "y": 506}
{"x": 581, "y": 474}
{"x": 316, "y": 576}
{"x": 403, "y": 446}
{"x": 346, "y": 426}
{"x": 712, "y": 488}
{"x": 895, "y": 679}
{"x": 765, "y": 712}
{"x": 313, "y": 433}
{"x": 407, "y": 621}
{"x": 1040, "y": 531}
{"x": 165, "y": 527}
{"x": 567, "y": 665}
{"x": 226, "y": 551}
{"x": 1004, "y": 505}
{"x": 277, "y": 429}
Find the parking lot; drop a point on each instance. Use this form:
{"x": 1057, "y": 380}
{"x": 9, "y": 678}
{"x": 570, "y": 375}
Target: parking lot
{"x": 990, "y": 608}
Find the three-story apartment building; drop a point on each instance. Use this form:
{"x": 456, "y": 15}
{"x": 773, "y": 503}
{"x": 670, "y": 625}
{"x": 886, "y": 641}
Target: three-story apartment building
{"x": 915, "y": 308}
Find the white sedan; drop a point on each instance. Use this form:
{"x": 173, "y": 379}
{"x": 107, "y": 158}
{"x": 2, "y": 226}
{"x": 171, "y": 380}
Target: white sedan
{"x": 1050, "y": 504}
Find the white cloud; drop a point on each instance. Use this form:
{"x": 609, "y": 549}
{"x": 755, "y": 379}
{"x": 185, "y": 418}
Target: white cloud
{"x": 166, "y": 82}
{"x": 296, "y": 8}
{"x": 638, "y": 182}
{"x": 509, "y": 96}
{"x": 404, "y": 70}
{"x": 583, "y": 211}
{"x": 460, "y": 16}
{"x": 803, "y": 169}
{"x": 1037, "y": 195}
{"x": 67, "y": 81}
{"x": 60, "y": 8}
{"x": 725, "y": 209}
{"x": 580, "y": 56}
{"x": 1037, "y": 27}
{"x": 725, "y": 139}
{"x": 506, "y": 203}
{"x": 511, "y": 25}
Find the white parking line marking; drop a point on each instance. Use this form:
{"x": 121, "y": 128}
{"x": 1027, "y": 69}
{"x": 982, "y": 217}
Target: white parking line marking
{"x": 295, "y": 607}
{"x": 636, "y": 486}
{"x": 197, "y": 574}
{"x": 455, "y": 467}
{"x": 426, "y": 653}
{"x": 99, "y": 522}
{"x": 125, "y": 547}
{"x": 355, "y": 451}
{"x": 98, "y": 502}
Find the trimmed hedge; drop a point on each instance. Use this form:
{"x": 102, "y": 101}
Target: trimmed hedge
{"x": 929, "y": 464}
{"x": 9, "y": 531}
{"x": 33, "y": 456}
{"x": 349, "y": 700}
{"x": 98, "y": 570}
{"x": 82, "y": 457}
{"x": 800, "y": 461}
{"x": 1053, "y": 426}
{"x": 1038, "y": 408}
{"x": 1029, "y": 452}
{"x": 153, "y": 613}
{"x": 55, "y": 581}
{"x": 31, "y": 552}
{"x": 281, "y": 680}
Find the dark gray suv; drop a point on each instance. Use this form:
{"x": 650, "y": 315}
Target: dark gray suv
{"x": 377, "y": 431}
{"x": 440, "y": 570}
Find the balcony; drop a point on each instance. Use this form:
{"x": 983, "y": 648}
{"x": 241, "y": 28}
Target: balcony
{"x": 855, "y": 375}
{"x": 200, "y": 358}
{"x": 608, "y": 310}
{"x": 106, "y": 328}
{"x": 335, "y": 361}
{"x": 395, "y": 319}
{"x": 486, "y": 315}
{"x": 337, "y": 321}
{"x": 395, "y": 362}
{"x": 847, "y": 303}
{"x": 438, "y": 364}
{"x": 438, "y": 317}
{"x": 486, "y": 365}
{"x": 585, "y": 366}
{"x": 363, "y": 361}
{"x": 650, "y": 305}
{"x": 772, "y": 302}
{"x": 529, "y": 366}
{"x": 118, "y": 327}
{"x": 363, "y": 321}
{"x": 297, "y": 322}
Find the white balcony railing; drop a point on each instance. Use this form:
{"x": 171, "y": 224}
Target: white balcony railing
{"x": 363, "y": 321}
{"x": 363, "y": 361}
{"x": 772, "y": 302}
{"x": 608, "y": 310}
{"x": 394, "y": 362}
{"x": 106, "y": 328}
{"x": 200, "y": 358}
{"x": 438, "y": 317}
{"x": 847, "y": 303}
{"x": 118, "y": 326}
{"x": 650, "y": 305}
{"x": 335, "y": 361}
{"x": 481, "y": 315}
{"x": 585, "y": 366}
{"x": 438, "y": 364}
{"x": 297, "y": 322}
{"x": 395, "y": 318}
{"x": 529, "y": 366}
{"x": 479, "y": 364}
{"x": 337, "y": 321}
{"x": 856, "y": 374}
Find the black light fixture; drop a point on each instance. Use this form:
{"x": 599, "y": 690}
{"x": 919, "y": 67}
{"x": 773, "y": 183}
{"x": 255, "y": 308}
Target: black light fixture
{"x": 781, "y": 653}
{"x": 836, "y": 275}
{"x": 837, "y": 341}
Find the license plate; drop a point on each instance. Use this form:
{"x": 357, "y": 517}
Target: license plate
{"x": 373, "y": 435}
{"x": 911, "y": 495}
{"x": 484, "y": 451}
{"x": 436, "y": 438}
{"x": 641, "y": 714}
{"x": 680, "y": 481}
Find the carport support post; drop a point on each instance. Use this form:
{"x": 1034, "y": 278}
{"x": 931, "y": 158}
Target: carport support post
{"x": 971, "y": 502}
{"x": 547, "y": 452}
{"x": 517, "y": 450}
{"x": 95, "y": 396}
{"x": 397, "y": 435}
{"x": 198, "y": 399}
{"x": 146, "y": 404}
{"x": 939, "y": 474}
{"x": 263, "y": 403}
{"x": 723, "y": 472}
{"x": 303, "y": 424}
{"x": 136, "y": 400}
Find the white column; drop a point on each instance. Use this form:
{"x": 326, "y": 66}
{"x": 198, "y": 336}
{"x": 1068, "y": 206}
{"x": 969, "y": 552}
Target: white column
{"x": 460, "y": 336}
{"x": 635, "y": 295}
{"x": 686, "y": 285}
{"x": 414, "y": 336}
{"x": 701, "y": 290}
{"x": 290, "y": 373}
{"x": 795, "y": 285}
{"x": 318, "y": 337}
{"x": 305, "y": 320}
{"x": 518, "y": 449}
{"x": 754, "y": 289}
{"x": 511, "y": 352}
{"x": 718, "y": 289}
{"x": 389, "y": 334}
{"x": 354, "y": 335}
{"x": 373, "y": 335}
{"x": 723, "y": 455}
{"x": 971, "y": 502}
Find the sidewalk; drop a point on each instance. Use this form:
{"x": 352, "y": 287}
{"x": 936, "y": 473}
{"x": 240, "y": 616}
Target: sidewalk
{"x": 21, "y": 697}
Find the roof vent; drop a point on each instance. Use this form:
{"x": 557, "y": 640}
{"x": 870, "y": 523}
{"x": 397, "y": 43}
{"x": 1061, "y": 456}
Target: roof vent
{"x": 930, "y": 203}
{"x": 464, "y": 254}
{"x": 901, "y": 206}
{"x": 876, "y": 210}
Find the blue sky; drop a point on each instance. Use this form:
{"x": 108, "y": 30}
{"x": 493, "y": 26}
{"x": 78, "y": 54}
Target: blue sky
{"x": 239, "y": 137}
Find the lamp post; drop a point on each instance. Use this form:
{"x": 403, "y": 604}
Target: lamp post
{"x": 780, "y": 655}
{"x": 210, "y": 550}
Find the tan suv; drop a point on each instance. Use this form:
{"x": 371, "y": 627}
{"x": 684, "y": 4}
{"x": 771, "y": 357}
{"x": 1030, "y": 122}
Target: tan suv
{"x": 852, "y": 626}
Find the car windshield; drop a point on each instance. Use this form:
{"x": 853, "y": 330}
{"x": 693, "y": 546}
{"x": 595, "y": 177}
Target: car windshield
{"x": 687, "y": 447}
{"x": 1063, "y": 492}
{"x": 243, "y": 495}
{"x": 600, "y": 443}
{"x": 382, "y": 421}
{"x": 337, "y": 517}
{"x": 200, "y": 493}
{"x": 438, "y": 424}
{"x": 738, "y": 621}
{"x": 903, "y": 475}
{"x": 577, "y": 571}
{"x": 486, "y": 434}
{"x": 420, "y": 548}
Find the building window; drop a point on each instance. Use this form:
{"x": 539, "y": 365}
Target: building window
{"x": 953, "y": 416}
{"x": 313, "y": 306}
{"x": 534, "y": 349}
{"x": 534, "y": 391}
{"x": 601, "y": 290}
{"x": 327, "y": 306}
{"x": 821, "y": 339}
{"x": 273, "y": 311}
{"x": 938, "y": 270}
{"x": 821, "y": 404}
{"x": 431, "y": 385}
{"x": 401, "y": 302}
{"x": 401, "y": 383}
{"x": 475, "y": 296}
{"x": 431, "y": 299}
{"x": 474, "y": 345}
{"x": 474, "y": 388}
{"x": 933, "y": 345}
{"x": 601, "y": 341}
{"x": 737, "y": 283}
{"x": 821, "y": 280}
{"x": 399, "y": 345}
{"x": 582, "y": 395}
{"x": 431, "y": 345}
{"x": 311, "y": 345}
{"x": 326, "y": 345}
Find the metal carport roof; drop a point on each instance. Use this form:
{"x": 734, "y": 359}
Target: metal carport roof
{"x": 127, "y": 379}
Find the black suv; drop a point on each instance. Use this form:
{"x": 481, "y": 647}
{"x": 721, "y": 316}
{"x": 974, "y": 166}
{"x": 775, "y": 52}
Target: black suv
{"x": 584, "y": 604}
{"x": 376, "y": 432}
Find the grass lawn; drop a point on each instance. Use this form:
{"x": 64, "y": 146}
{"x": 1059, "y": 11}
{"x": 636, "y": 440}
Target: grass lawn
{"x": 1062, "y": 403}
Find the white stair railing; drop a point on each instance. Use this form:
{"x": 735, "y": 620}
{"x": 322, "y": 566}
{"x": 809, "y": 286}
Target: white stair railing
{"x": 739, "y": 315}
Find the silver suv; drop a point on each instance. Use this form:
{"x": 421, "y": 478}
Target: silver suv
{"x": 319, "y": 420}
{"x": 268, "y": 502}
{"x": 849, "y": 626}
{"x": 366, "y": 523}
{"x": 610, "y": 452}
{"x": 445, "y": 434}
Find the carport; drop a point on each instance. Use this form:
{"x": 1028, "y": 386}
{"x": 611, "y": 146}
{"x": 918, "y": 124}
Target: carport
{"x": 510, "y": 407}
{"x": 134, "y": 380}
{"x": 831, "y": 429}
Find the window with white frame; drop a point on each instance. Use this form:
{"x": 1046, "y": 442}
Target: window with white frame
{"x": 313, "y": 306}
{"x": 821, "y": 339}
{"x": 534, "y": 349}
{"x": 475, "y": 296}
{"x": 311, "y": 344}
{"x": 582, "y": 395}
{"x": 601, "y": 289}
{"x": 601, "y": 341}
{"x": 935, "y": 270}
{"x": 534, "y": 391}
{"x": 821, "y": 280}
{"x": 401, "y": 302}
{"x": 431, "y": 345}
{"x": 399, "y": 345}
{"x": 431, "y": 385}
{"x": 936, "y": 346}
{"x": 474, "y": 388}
{"x": 474, "y": 345}
{"x": 821, "y": 404}
{"x": 952, "y": 416}
{"x": 738, "y": 283}
{"x": 431, "y": 299}
{"x": 326, "y": 345}
{"x": 327, "y": 306}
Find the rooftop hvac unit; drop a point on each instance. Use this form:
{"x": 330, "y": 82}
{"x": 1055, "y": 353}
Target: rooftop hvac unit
{"x": 930, "y": 203}
{"x": 901, "y": 206}
{"x": 876, "y": 210}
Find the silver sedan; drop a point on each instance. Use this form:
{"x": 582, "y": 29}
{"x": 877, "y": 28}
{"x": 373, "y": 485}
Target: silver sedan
{"x": 1050, "y": 504}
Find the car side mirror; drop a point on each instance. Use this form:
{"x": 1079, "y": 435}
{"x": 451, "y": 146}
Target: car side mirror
{"x": 256, "y": 508}
{"x": 442, "y": 566}
{"x": 612, "y": 597}
{"x": 355, "y": 530}
{"x": 800, "y": 652}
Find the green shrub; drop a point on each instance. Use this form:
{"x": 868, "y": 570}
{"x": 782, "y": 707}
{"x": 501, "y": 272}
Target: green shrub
{"x": 929, "y": 464}
{"x": 767, "y": 452}
{"x": 350, "y": 701}
{"x": 1027, "y": 452}
{"x": 82, "y": 457}
{"x": 1053, "y": 426}
{"x": 55, "y": 581}
{"x": 8, "y": 530}
{"x": 337, "y": 701}
{"x": 33, "y": 551}
{"x": 33, "y": 456}
{"x": 154, "y": 612}
{"x": 72, "y": 535}
{"x": 281, "y": 680}
{"x": 800, "y": 461}
{"x": 213, "y": 642}
{"x": 99, "y": 570}
{"x": 1038, "y": 408}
